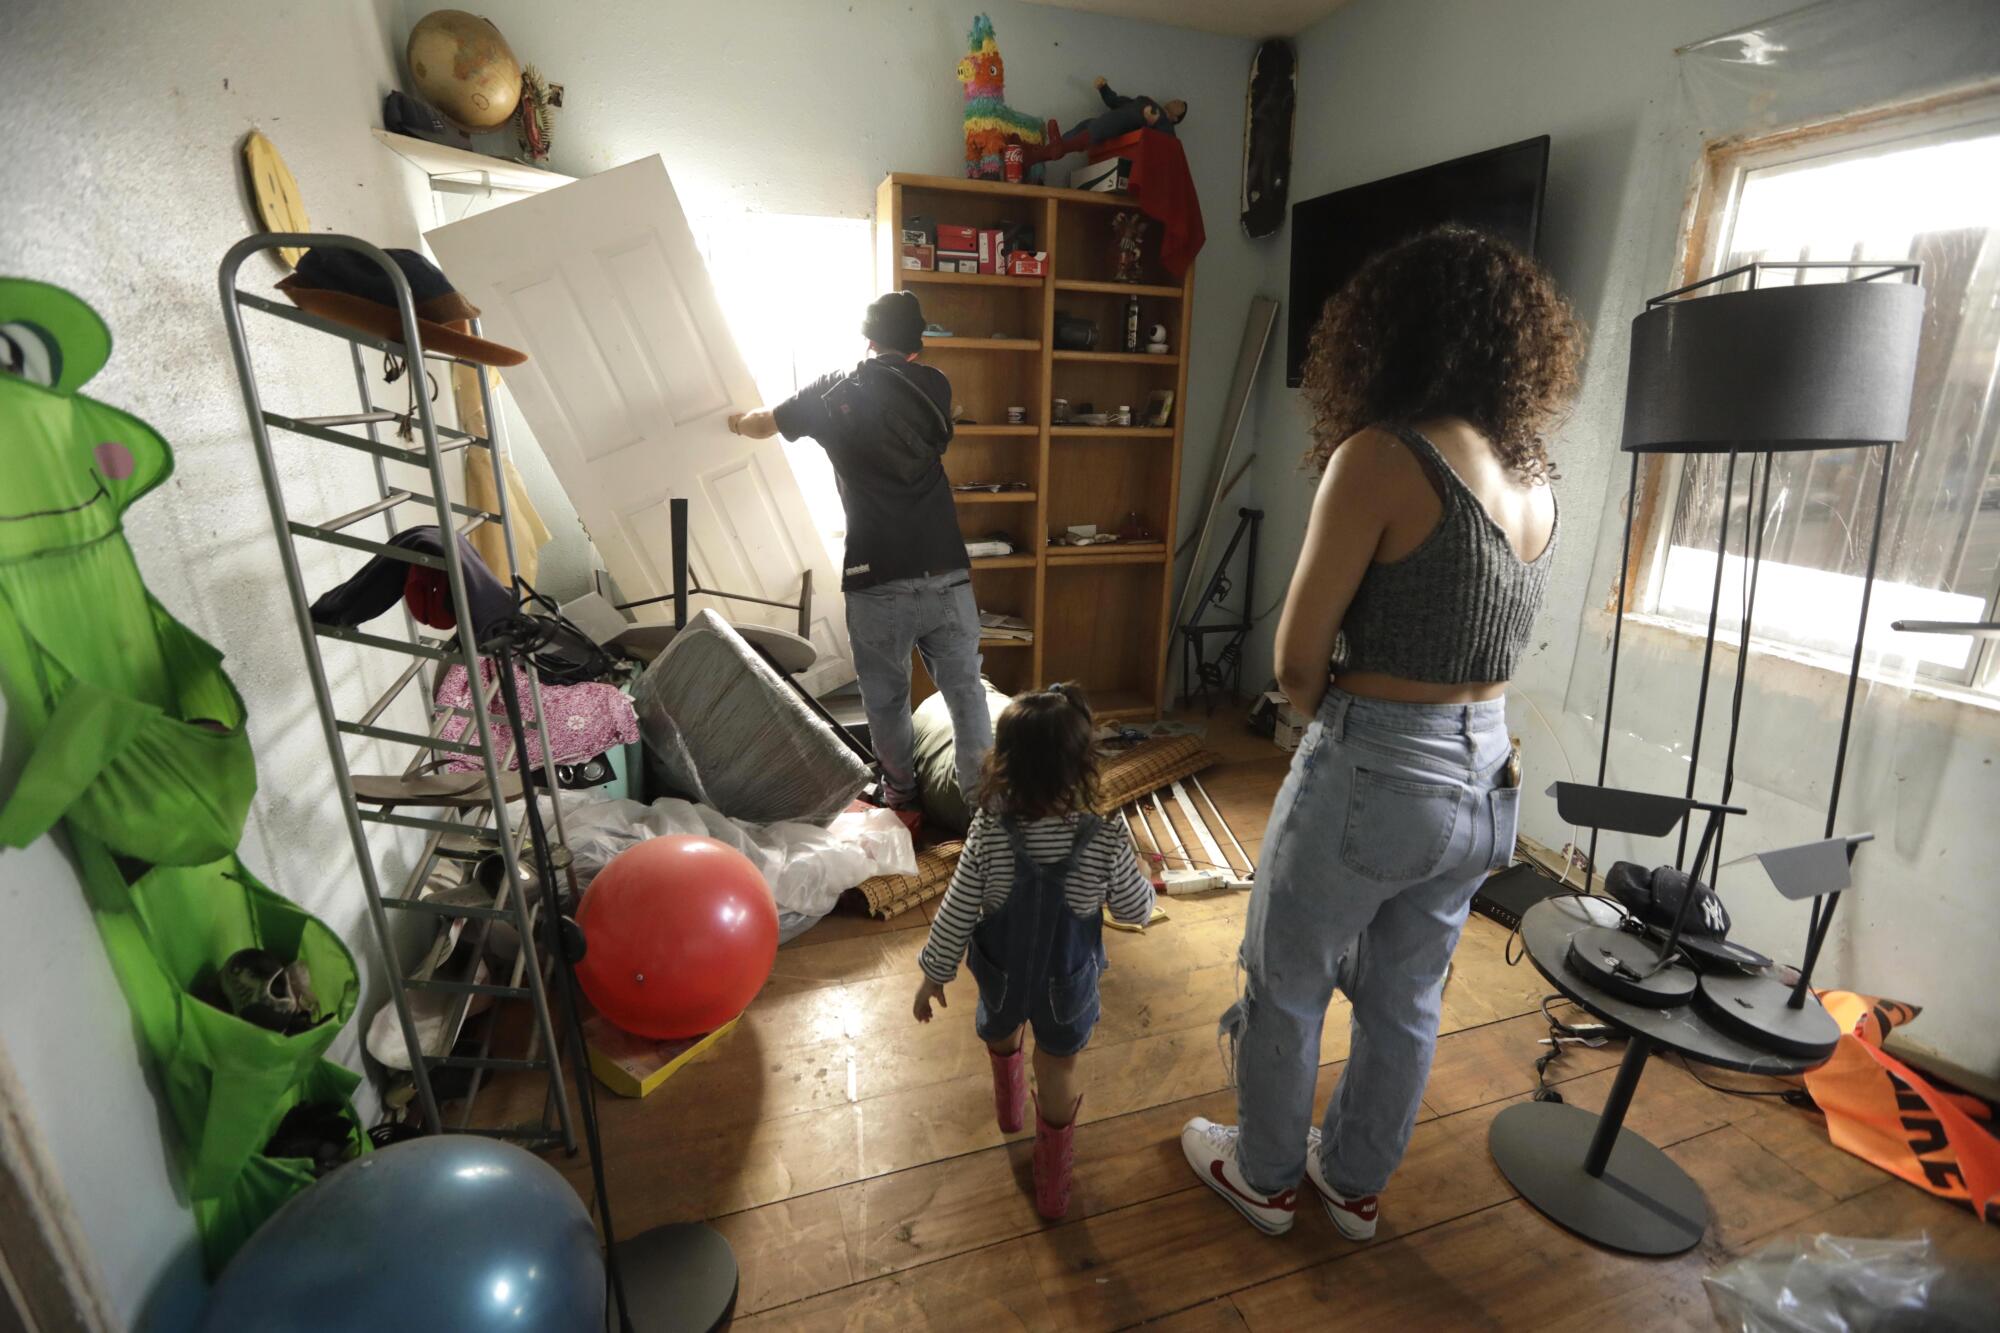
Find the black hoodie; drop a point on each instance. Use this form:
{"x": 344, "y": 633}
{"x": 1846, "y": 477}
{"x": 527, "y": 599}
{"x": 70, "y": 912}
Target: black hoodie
{"x": 885, "y": 425}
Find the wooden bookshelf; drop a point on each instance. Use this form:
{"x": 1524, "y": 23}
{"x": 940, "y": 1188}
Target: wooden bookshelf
{"x": 1099, "y": 612}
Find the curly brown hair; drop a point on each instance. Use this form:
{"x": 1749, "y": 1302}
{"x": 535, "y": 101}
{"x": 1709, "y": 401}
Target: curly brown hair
{"x": 1044, "y": 758}
{"x": 1452, "y": 322}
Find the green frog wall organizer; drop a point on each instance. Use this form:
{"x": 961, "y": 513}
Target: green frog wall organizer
{"x": 136, "y": 744}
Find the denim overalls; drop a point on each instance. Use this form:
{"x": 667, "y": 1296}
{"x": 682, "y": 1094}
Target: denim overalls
{"x": 1036, "y": 961}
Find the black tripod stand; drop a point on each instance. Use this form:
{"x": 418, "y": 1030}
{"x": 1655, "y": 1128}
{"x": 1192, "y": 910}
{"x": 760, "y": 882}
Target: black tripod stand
{"x": 680, "y": 1276}
{"x": 1223, "y": 674}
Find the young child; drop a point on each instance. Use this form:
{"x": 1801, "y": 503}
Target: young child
{"x": 1028, "y": 897}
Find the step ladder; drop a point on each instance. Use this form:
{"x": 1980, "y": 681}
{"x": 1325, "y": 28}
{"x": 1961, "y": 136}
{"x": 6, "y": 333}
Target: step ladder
{"x": 462, "y": 835}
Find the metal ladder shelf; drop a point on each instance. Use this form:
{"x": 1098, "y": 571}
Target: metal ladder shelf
{"x": 459, "y": 835}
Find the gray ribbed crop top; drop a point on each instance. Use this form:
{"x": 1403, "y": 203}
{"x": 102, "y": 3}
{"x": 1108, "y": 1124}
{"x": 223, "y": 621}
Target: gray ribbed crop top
{"x": 1456, "y": 610}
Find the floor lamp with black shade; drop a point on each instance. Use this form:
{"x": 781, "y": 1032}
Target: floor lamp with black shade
{"x": 1799, "y": 367}
{"x": 1750, "y": 373}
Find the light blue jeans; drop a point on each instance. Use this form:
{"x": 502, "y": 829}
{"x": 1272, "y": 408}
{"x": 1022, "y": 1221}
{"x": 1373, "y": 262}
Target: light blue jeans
{"x": 1391, "y": 816}
{"x": 936, "y": 616}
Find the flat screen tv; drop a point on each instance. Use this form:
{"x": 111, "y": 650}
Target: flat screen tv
{"x": 1499, "y": 191}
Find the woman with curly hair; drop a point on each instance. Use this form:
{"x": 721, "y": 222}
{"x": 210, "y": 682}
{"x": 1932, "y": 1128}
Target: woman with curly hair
{"x": 1432, "y": 378}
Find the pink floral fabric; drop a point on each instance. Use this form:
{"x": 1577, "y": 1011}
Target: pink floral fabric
{"x": 584, "y": 720}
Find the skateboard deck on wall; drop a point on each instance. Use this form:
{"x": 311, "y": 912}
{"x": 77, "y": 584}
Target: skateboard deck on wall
{"x": 1267, "y": 137}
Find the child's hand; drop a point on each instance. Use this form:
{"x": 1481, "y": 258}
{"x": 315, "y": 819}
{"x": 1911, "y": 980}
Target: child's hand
{"x": 928, "y": 990}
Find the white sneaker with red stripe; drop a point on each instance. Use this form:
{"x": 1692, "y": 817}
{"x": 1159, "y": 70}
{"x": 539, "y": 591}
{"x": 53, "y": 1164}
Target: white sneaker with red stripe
{"x": 1353, "y": 1215}
{"x": 1211, "y": 1151}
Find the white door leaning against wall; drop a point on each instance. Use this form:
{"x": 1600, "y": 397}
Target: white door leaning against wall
{"x": 630, "y": 380}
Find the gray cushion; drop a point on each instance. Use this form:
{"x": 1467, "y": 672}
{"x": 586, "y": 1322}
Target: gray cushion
{"x": 722, "y": 729}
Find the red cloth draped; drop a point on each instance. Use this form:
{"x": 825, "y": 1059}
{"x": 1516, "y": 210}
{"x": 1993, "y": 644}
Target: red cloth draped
{"x": 1164, "y": 190}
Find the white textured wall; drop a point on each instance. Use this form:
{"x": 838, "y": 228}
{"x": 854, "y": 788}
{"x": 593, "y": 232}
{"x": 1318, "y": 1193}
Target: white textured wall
{"x": 802, "y": 106}
{"x": 1388, "y": 87}
{"x": 122, "y": 181}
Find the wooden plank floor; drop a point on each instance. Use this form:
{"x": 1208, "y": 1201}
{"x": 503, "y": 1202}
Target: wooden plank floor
{"x": 851, "y": 1156}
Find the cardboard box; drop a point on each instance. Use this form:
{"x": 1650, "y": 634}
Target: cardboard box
{"x": 991, "y": 258}
{"x": 916, "y": 236}
{"x": 955, "y": 237}
{"x": 1291, "y": 728}
{"x": 1110, "y": 175}
{"x": 634, "y": 1066}
{"x": 1025, "y": 265}
{"x": 922, "y": 257}
{"x": 957, "y": 261}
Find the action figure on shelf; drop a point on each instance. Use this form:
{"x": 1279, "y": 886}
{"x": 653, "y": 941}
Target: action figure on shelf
{"x": 1128, "y": 230}
{"x": 1121, "y": 116}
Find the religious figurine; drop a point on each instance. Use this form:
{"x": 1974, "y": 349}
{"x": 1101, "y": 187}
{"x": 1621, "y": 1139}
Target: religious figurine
{"x": 1128, "y": 230}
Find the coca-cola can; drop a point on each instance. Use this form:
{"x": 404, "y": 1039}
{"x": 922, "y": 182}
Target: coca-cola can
{"x": 1013, "y": 160}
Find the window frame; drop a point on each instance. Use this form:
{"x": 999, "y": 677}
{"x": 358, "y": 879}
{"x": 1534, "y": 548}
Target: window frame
{"x": 1709, "y": 209}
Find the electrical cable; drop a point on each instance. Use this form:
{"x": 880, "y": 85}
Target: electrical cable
{"x": 561, "y": 653}
{"x": 1559, "y": 1032}
{"x": 501, "y": 644}
{"x": 1794, "y": 1096}
{"x": 1569, "y": 857}
{"x": 1513, "y": 958}
{"x": 1261, "y": 616}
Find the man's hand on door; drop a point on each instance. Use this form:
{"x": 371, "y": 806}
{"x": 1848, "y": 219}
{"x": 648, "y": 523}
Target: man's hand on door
{"x": 757, "y": 425}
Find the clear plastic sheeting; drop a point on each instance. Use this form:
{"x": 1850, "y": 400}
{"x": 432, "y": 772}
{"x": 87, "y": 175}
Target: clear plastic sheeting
{"x": 1857, "y": 129}
{"x": 1829, "y": 60}
{"x": 1836, "y": 1284}
{"x": 807, "y": 867}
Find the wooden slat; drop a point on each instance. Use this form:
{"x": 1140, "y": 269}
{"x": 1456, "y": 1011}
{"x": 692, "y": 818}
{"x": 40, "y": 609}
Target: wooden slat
{"x": 964, "y": 279}
{"x": 910, "y": 1218}
{"x": 1163, "y": 290}
{"x": 1751, "y": 1192}
{"x": 1497, "y": 1061}
{"x": 1503, "y": 1267}
{"x": 1123, "y": 359}
{"x": 975, "y": 344}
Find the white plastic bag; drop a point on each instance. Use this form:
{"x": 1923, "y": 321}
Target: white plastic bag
{"x": 807, "y": 867}
{"x": 1840, "y": 1284}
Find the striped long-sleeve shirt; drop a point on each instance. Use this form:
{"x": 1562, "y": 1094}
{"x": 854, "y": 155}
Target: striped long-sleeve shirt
{"x": 1106, "y": 871}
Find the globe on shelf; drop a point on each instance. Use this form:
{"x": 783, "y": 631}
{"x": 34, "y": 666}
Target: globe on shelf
{"x": 461, "y": 65}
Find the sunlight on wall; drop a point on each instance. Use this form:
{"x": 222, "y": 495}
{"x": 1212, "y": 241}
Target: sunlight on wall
{"x": 793, "y": 288}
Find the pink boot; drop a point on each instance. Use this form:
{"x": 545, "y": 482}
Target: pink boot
{"x": 1010, "y": 1087}
{"x": 1055, "y": 1153}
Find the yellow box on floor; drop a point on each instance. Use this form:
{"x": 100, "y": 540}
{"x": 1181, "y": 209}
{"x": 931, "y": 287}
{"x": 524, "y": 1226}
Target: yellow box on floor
{"x": 634, "y": 1066}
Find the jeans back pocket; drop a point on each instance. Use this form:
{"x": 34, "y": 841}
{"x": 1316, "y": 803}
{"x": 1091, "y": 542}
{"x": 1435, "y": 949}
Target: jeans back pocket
{"x": 1397, "y": 829}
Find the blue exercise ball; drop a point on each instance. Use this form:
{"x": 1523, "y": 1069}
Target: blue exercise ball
{"x": 452, "y": 1231}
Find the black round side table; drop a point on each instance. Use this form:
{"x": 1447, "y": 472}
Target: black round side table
{"x": 1587, "y": 1172}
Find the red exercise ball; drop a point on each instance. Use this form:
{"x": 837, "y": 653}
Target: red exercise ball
{"x": 680, "y": 933}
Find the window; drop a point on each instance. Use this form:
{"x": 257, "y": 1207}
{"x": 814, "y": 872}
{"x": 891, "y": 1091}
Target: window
{"x": 793, "y": 288}
{"x": 1892, "y": 190}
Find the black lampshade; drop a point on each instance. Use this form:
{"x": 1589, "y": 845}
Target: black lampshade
{"x": 1821, "y": 366}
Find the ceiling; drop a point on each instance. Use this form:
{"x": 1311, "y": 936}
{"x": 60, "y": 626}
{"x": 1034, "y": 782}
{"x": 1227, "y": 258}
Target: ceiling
{"x": 1236, "y": 18}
